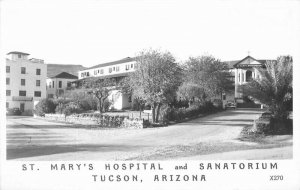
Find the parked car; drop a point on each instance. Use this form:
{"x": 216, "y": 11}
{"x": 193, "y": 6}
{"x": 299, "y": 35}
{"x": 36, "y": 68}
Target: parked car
{"x": 13, "y": 111}
{"x": 230, "y": 105}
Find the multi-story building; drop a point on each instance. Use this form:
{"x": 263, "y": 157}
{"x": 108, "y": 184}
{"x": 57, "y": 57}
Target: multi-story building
{"x": 57, "y": 85}
{"x": 110, "y": 69}
{"x": 116, "y": 70}
{"x": 25, "y": 81}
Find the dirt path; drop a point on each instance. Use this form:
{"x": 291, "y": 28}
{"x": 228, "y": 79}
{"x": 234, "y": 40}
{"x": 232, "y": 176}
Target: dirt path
{"x": 33, "y": 139}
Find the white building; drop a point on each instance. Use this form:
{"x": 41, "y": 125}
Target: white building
{"x": 117, "y": 70}
{"x": 109, "y": 69}
{"x": 57, "y": 85}
{"x": 25, "y": 81}
{"x": 246, "y": 70}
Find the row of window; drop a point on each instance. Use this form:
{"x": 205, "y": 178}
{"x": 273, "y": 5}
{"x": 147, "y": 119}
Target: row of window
{"x": 110, "y": 70}
{"x": 59, "y": 84}
{"x": 23, "y": 70}
{"x": 23, "y": 93}
{"x": 23, "y": 82}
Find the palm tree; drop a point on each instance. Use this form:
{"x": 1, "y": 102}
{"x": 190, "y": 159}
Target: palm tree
{"x": 274, "y": 87}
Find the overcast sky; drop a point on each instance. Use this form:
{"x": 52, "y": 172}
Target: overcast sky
{"x": 90, "y": 32}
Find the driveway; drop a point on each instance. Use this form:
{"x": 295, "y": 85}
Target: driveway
{"x": 29, "y": 138}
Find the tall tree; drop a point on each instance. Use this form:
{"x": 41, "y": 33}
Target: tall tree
{"x": 207, "y": 76}
{"x": 156, "y": 79}
{"x": 100, "y": 89}
{"x": 274, "y": 87}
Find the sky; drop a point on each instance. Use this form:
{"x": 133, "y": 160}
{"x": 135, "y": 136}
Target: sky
{"x": 90, "y": 32}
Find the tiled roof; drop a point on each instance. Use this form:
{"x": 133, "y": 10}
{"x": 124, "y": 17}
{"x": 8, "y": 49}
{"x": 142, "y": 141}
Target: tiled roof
{"x": 65, "y": 75}
{"x": 55, "y": 69}
{"x": 125, "y": 60}
{"x": 17, "y": 52}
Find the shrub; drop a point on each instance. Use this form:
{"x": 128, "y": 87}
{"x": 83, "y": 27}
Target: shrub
{"x": 71, "y": 108}
{"x": 176, "y": 114}
{"x": 59, "y": 108}
{"x": 106, "y": 105}
{"x": 68, "y": 109}
{"x": 44, "y": 106}
{"x": 88, "y": 103}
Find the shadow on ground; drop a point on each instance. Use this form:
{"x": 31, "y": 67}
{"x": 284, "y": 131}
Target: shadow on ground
{"x": 32, "y": 151}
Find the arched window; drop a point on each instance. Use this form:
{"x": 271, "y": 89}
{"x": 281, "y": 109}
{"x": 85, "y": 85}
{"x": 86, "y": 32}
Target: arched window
{"x": 248, "y": 76}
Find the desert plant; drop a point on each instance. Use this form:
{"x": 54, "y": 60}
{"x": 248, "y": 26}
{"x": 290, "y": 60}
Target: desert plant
{"x": 274, "y": 87}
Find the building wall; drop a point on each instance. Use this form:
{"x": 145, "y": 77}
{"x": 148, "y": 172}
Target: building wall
{"x": 107, "y": 70}
{"x": 30, "y": 86}
{"x": 118, "y": 99}
{"x": 53, "y": 90}
{"x": 240, "y": 78}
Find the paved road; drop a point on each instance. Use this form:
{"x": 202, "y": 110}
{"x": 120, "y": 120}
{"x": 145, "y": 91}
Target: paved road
{"x": 34, "y": 139}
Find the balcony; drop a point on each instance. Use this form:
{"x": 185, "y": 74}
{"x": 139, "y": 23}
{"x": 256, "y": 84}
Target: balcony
{"x": 22, "y": 98}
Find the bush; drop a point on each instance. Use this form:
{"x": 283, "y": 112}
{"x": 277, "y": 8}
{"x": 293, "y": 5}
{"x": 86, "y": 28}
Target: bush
{"x": 59, "y": 108}
{"x": 176, "y": 114}
{"x": 88, "y": 103}
{"x": 44, "y": 106}
{"x": 71, "y": 108}
{"x": 68, "y": 109}
{"x": 106, "y": 105}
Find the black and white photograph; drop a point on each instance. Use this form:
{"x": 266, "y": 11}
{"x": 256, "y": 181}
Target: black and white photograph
{"x": 147, "y": 83}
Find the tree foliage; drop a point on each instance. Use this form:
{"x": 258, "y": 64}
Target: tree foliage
{"x": 44, "y": 106}
{"x": 274, "y": 87}
{"x": 206, "y": 76}
{"x": 100, "y": 89}
{"x": 156, "y": 79}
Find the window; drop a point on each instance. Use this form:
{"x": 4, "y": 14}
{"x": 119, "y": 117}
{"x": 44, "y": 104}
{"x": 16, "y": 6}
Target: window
{"x": 131, "y": 65}
{"x": 118, "y": 68}
{"x": 7, "y": 69}
{"x": 101, "y": 71}
{"x": 7, "y": 104}
{"x": 110, "y": 70}
{"x": 38, "y": 83}
{"x": 127, "y": 67}
{"x": 95, "y": 72}
{"x": 19, "y": 55}
{"x": 22, "y": 93}
{"x": 8, "y": 92}
{"x": 23, "y": 70}
{"x": 68, "y": 84}
{"x": 7, "y": 81}
{"x": 38, "y": 71}
{"x": 114, "y": 68}
{"x": 59, "y": 84}
{"x": 52, "y": 84}
{"x": 37, "y": 93}
{"x": 87, "y": 74}
{"x": 248, "y": 76}
{"x": 49, "y": 84}
{"x": 239, "y": 77}
{"x": 22, "y": 82}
